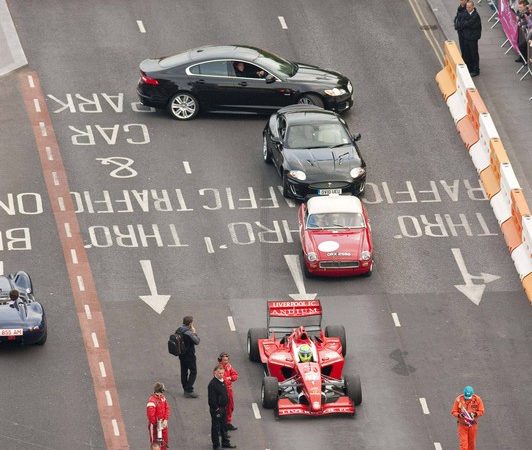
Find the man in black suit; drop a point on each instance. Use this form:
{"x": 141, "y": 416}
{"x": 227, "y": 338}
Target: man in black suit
{"x": 460, "y": 11}
{"x": 471, "y": 28}
{"x": 218, "y": 400}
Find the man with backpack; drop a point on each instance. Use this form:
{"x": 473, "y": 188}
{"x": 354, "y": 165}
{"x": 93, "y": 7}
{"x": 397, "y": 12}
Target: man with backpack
{"x": 187, "y": 355}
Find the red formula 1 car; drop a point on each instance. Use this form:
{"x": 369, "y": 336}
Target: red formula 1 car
{"x": 315, "y": 386}
{"x": 335, "y": 236}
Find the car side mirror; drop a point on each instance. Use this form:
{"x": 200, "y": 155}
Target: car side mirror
{"x": 270, "y": 79}
{"x": 357, "y": 137}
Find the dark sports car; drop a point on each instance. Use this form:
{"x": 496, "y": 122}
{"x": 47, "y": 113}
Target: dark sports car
{"x": 314, "y": 152}
{"x": 22, "y": 319}
{"x": 237, "y": 78}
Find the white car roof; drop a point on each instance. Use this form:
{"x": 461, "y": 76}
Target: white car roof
{"x": 334, "y": 204}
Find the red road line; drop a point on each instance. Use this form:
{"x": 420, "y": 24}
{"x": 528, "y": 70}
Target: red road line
{"x": 86, "y": 299}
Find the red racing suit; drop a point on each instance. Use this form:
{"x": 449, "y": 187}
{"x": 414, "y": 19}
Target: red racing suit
{"x": 230, "y": 376}
{"x": 157, "y": 409}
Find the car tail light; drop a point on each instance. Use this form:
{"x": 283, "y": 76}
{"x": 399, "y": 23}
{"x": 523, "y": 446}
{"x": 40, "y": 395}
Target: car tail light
{"x": 148, "y": 80}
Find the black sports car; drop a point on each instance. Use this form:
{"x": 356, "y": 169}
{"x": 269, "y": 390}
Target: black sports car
{"x": 22, "y": 318}
{"x": 237, "y": 78}
{"x": 314, "y": 152}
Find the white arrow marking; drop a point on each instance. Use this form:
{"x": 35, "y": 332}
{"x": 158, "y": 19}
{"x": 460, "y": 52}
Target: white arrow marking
{"x": 154, "y": 300}
{"x": 1, "y": 267}
{"x": 295, "y": 269}
{"x": 472, "y": 291}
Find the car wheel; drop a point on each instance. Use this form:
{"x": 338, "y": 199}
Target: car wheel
{"x": 353, "y": 388}
{"x": 42, "y": 341}
{"x": 311, "y": 99}
{"x": 266, "y": 154}
{"x": 183, "y": 106}
{"x": 254, "y": 334}
{"x": 339, "y": 332}
{"x": 269, "y": 392}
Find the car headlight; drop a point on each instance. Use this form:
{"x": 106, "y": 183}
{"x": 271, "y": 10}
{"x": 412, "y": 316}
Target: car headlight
{"x": 349, "y": 87}
{"x": 312, "y": 256}
{"x": 365, "y": 255}
{"x": 298, "y": 175}
{"x": 335, "y": 92}
{"x": 357, "y": 172}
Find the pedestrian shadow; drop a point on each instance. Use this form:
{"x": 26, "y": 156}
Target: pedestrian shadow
{"x": 401, "y": 368}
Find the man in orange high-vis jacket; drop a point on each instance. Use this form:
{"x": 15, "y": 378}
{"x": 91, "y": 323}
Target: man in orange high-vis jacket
{"x": 158, "y": 412}
{"x": 230, "y": 376}
{"x": 467, "y": 408}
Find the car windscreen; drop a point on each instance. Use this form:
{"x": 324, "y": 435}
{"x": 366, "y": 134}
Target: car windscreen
{"x": 316, "y": 136}
{"x": 277, "y": 65}
{"x": 335, "y": 220}
{"x": 5, "y": 287}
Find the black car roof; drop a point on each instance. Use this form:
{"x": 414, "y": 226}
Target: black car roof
{"x": 224, "y": 52}
{"x": 307, "y": 114}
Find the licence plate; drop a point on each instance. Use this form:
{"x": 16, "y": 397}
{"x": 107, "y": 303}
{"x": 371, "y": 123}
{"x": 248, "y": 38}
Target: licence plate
{"x": 329, "y": 191}
{"x": 11, "y": 332}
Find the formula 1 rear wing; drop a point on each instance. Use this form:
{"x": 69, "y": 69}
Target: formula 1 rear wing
{"x": 285, "y": 315}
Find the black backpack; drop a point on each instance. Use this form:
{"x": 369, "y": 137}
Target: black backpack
{"x": 176, "y": 343}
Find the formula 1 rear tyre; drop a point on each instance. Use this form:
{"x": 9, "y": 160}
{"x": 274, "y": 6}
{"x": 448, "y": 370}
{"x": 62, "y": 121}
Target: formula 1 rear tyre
{"x": 254, "y": 334}
{"x": 337, "y": 331}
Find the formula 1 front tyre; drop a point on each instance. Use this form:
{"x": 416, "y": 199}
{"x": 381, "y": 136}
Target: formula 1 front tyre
{"x": 269, "y": 392}
{"x": 353, "y": 388}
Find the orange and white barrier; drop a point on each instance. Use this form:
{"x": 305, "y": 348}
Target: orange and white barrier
{"x": 446, "y": 78}
{"x": 457, "y": 102}
{"x": 480, "y": 152}
{"x": 481, "y": 139}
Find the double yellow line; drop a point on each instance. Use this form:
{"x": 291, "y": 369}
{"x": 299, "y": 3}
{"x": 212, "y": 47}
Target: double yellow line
{"x": 427, "y": 30}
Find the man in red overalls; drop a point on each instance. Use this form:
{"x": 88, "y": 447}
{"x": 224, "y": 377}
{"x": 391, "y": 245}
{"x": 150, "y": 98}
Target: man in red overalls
{"x": 158, "y": 412}
{"x": 230, "y": 376}
{"x": 467, "y": 408}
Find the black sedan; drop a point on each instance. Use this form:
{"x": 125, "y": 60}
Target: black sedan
{"x": 314, "y": 152}
{"x": 22, "y": 318}
{"x": 237, "y": 79}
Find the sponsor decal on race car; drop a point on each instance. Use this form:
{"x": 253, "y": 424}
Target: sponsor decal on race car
{"x": 337, "y": 410}
{"x": 295, "y": 308}
{"x": 295, "y": 304}
{"x": 284, "y": 412}
{"x": 338, "y": 254}
{"x": 10, "y": 331}
{"x": 306, "y": 412}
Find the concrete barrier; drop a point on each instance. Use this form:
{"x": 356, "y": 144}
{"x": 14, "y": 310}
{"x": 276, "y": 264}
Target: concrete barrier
{"x": 480, "y": 137}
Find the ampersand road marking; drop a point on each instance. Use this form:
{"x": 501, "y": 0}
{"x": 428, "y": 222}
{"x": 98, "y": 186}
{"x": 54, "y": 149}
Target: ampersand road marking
{"x": 124, "y": 164}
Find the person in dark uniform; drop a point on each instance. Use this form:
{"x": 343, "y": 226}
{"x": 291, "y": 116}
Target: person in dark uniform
{"x": 188, "y": 358}
{"x": 461, "y": 10}
{"x": 471, "y": 28}
{"x": 218, "y": 400}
